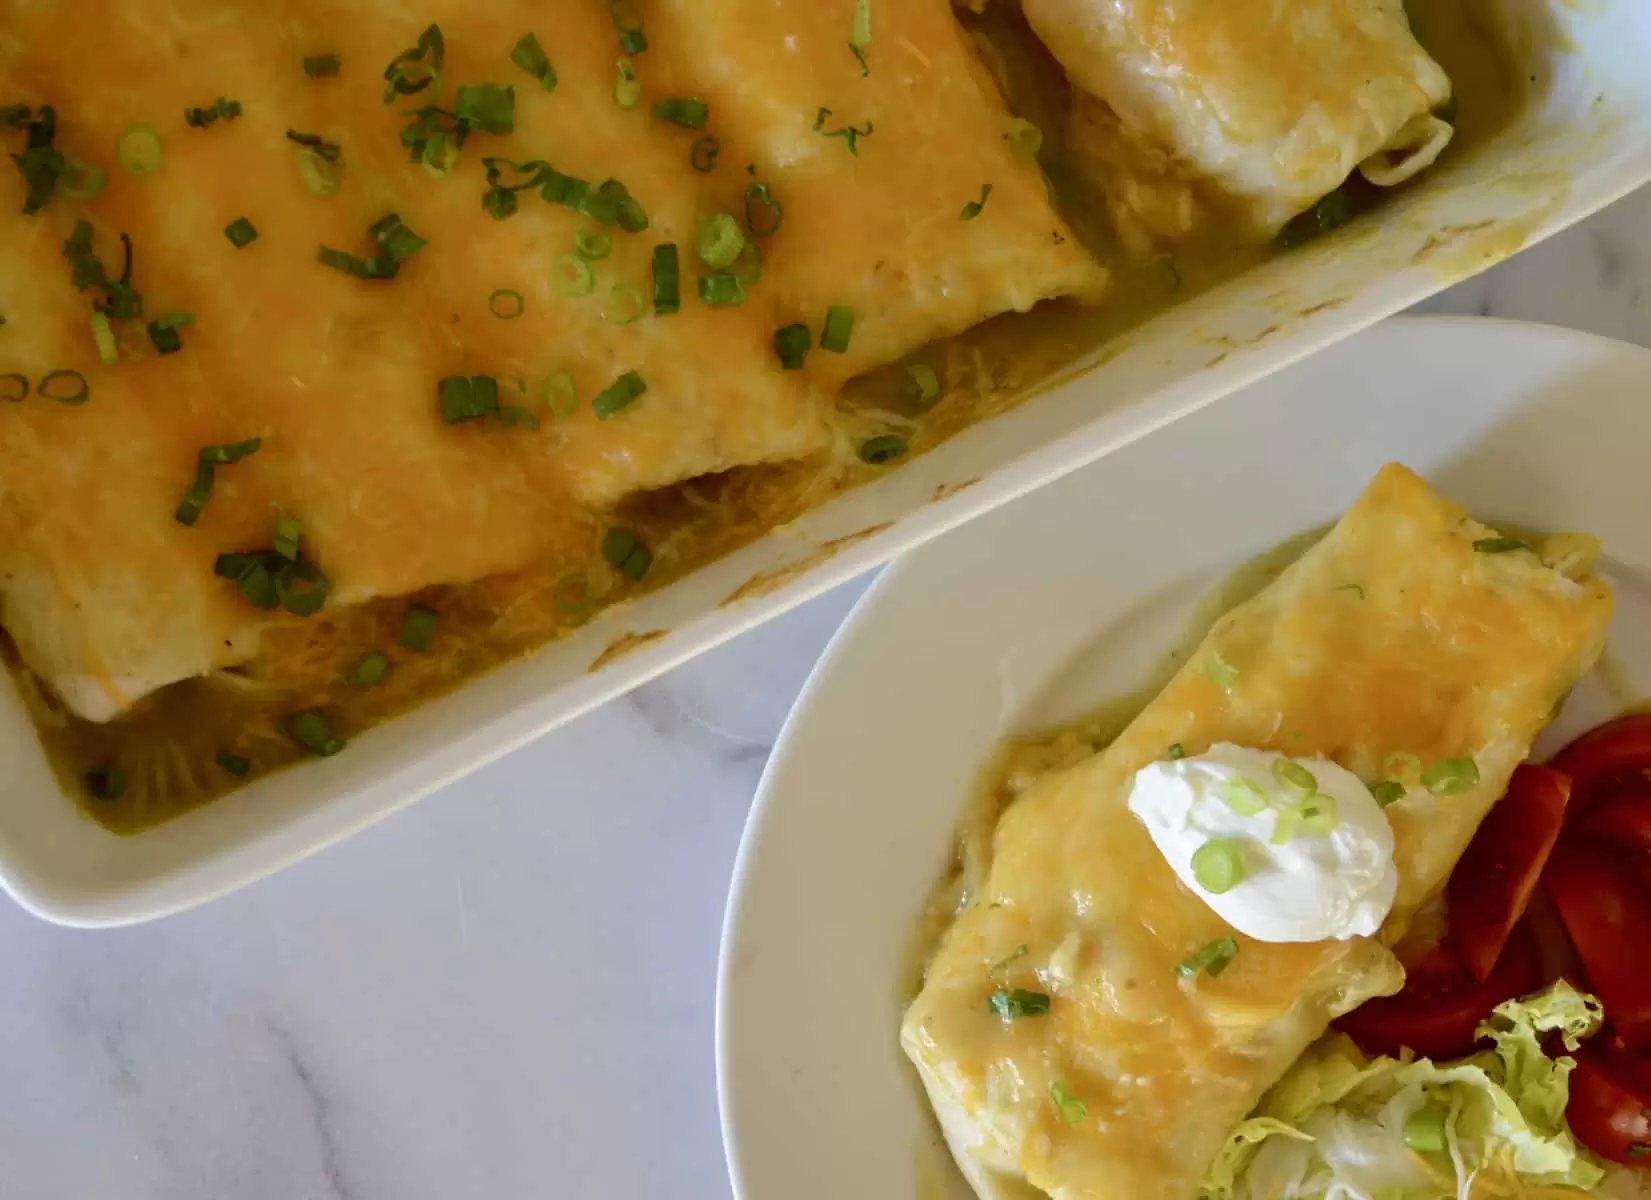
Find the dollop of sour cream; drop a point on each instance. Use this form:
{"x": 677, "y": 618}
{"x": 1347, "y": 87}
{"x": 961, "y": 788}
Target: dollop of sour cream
{"x": 1301, "y": 878}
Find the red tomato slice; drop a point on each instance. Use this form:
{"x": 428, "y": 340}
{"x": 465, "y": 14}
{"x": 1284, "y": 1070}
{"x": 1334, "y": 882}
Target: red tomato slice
{"x": 1620, "y": 745}
{"x": 1436, "y": 1015}
{"x": 1624, "y": 819}
{"x": 1610, "y": 1105}
{"x": 1493, "y": 883}
{"x": 1607, "y": 911}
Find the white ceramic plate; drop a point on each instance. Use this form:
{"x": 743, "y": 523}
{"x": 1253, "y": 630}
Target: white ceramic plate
{"x": 1039, "y": 611}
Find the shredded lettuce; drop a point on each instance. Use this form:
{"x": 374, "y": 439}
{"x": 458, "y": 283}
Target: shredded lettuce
{"x": 1333, "y": 1127}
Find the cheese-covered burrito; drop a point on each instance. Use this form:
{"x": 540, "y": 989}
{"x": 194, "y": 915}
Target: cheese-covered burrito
{"x": 1274, "y": 103}
{"x": 1090, "y": 1026}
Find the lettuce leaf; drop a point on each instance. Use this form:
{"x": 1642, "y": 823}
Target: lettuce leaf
{"x": 1333, "y": 1127}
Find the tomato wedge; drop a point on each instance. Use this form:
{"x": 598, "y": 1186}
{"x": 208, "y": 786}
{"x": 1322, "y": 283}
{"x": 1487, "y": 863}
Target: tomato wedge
{"x": 1494, "y": 881}
{"x": 1436, "y": 1013}
{"x": 1616, "y": 746}
{"x": 1610, "y": 1105}
{"x": 1607, "y": 911}
{"x": 1624, "y": 820}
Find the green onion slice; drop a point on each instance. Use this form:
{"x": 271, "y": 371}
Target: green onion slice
{"x": 627, "y": 19}
{"x": 1387, "y": 792}
{"x": 301, "y": 588}
{"x": 289, "y": 532}
{"x": 1286, "y": 825}
{"x": 103, "y": 333}
{"x": 398, "y": 242}
{"x": 464, "y": 398}
{"x": 747, "y": 267}
{"x": 252, "y": 577}
{"x": 241, "y": 233}
{"x": 139, "y": 150}
{"x": 720, "y": 241}
{"x": 206, "y": 463}
{"x": 66, "y": 387}
{"x": 318, "y": 174}
{"x": 1018, "y": 1003}
{"x": 721, "y": 291}
{"x": 592, "y": 247}
{"x": 322, "y": 66}
{"x": 500, "y": 204}
{"x": 625, "y": 553}
{"x": 416, "y": 69}
{"x": 627, "y": 92}
{"x": 667, "y": 280}
{"x": 882, "y": 449}
{"x": 792, "y": 344}
{"x": 922, "y": 385}
{"x": 518, "y": 416}
{"x": 369, "y": 672}
{"x": 560, "y": 395}
{"x": 329, "y": 151}
{"x": 234, "y": 763}
{"x": 625, "y": 305}
{"x": 621, "y": 393}
{"x": 1424, "y": 1130}
{"x": 1450, "y": 776}
{"x": 1500, "y": 545}
{"x": 1177, "y": 751}
{"x": 1017, "y": 953}
{"x": 851, "y": 136}
{"x": 1073, "y": 1110}
{"x": 1025, "y": 138}
{"x": 702, "y": 156}
{"x": 105, "y": 782}
{"x": 572, "y": 275}
{"x": 200, "y": 118}
{"x": 309, "y": 730}
{"x": 1211, "y": 959}
{"x": 1243, "y": 796}
{"x": 418, "y": 629}
{"x": 14, "y": 388}
{"x": 839, "y": 328}
{"x": 763, "y": 213}
{"x": 82, "y": 181}
{"x": 530, "y": 56}
{"x": 974, "y": 208}
{"x": 1318, "y": 814}
{"x": 506, "y": 304}
{"x": 1220, "y": 672}
{"x": 489, "y": 107}
{"x": 1218, "y": 865}
{"x": 359, "y": 268}
{"x": 686, "y": 111}
{"x": 1291, "y": 773}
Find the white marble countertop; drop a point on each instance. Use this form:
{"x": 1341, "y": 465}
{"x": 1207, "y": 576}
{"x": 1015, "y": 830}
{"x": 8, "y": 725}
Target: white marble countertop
{"x": 507, "y": 991}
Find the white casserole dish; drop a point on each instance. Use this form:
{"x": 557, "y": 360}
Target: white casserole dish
{"x": 1584, "y": 141}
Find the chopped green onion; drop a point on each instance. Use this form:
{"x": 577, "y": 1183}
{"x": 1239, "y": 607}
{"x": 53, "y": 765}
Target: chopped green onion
{"x": 500, "y": 204}
{"x": 1403, "y": 765}
{"x": 561, "y": 397}
{"x": 1286, "y": 825}
{"x": 200, "y": 118}
{"x": 1450, "y": 776}
{"x": 234, "y": 763}
{"x": 322, "y": 66}
{"x": 721, "y": 291}
{"x": 974, "y": 208}
{"x": 359, "y": 268}
{"x": 289, "y": 531}
{"x": 850, "y": 135}
{"x": 1288, "y": 771}
{"x": 164, "y": 335}
{"x": 41, "y": 164}
{"x": 464, "y": 398}
{"x": 763, "y": 213}
{"x": 571, "y": 275}
{"x": 621, "y": 393}
{"x": 1352, "y": 587}
{"x": 720, "y": 241}
{"x": 251, "y": 576}
{"x": 1424, "y": 1130}
{"x": 1073, "y": 1110}
{"x": 1025, "y": 138}
{"x": 530, "y": 174}
{"x": 439, "y": 154}
{"x": 747, "y": 267}
{"x": 301, "y": 588}
{"x": 416, "y": 69}
{"x": 489, "y": 107}
{"x": 105, "y": 783}
{"x": 1018, "y": 952}
{"x": 1220, "y": 672}
{"x": 418, "y": 629}
{"x": 627, "y": 19}
{"x": 922, "y": 385}
{"x": 1177, "y": 751}
{"x": 317, "y": 172}
{"x": 792, "y": 344}
{"x": 881, "y": 449}
{"x": 592, "y": 247}
{"x": 703, "y": 155}
{"x": 625, "y": 305}
{"x": 206, "y": 464}
{"x": 241, "y": 233}
{"x": 369, "y": 672}
{"x": 530, "y": 56}
{"x": 1333, "y": 211}
{"x": 1243, "y": 796}
{"x": 1387, "y": 792}
{"x": 839, "y": 328}
{"x": 108, "y": 352}
{"x": 1318, "y": 814}
{"x": 82, "y": 181}
{"x": 1211, "y": 959}
{"x": 1218, "y": 866}
{"x": 667, "y": 280}
{"x": 627, "y": 92}
{"x": 398, "y": 242}
{"x": 139, "y": 150}
{"x": 329, "y": 151}
{"x": 632, "y": 217}
{"x": 1018, "y": 1003}
{"x": 72, "y": 389}
{"x": 309, "y": 730}
{"x": 506, "y": 304}
{"x": 1500, "y": 545}
{"x": 518, "y": 416}
{"x": 14, "y": 388}
{"x": 626, "y": 554}
{"x": 682, "y": 110}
